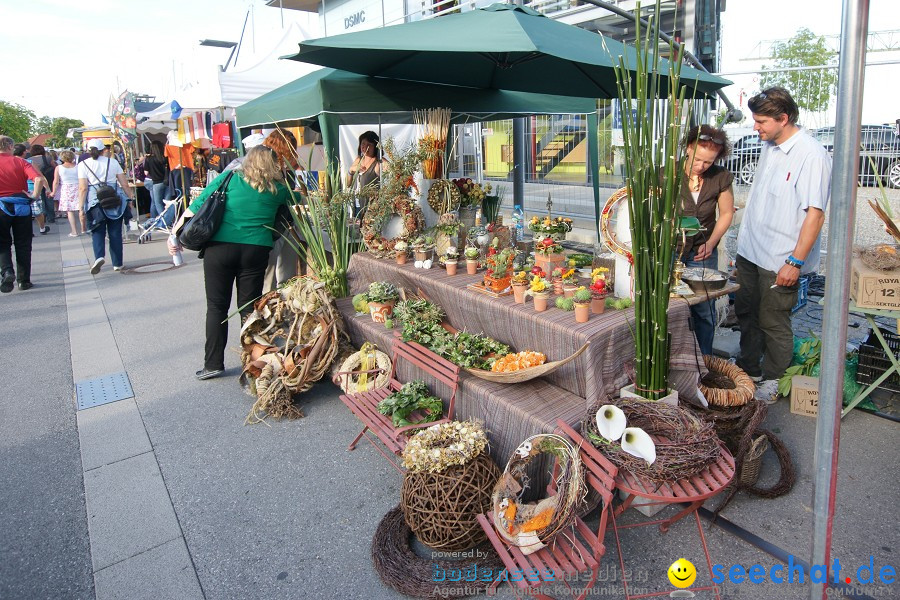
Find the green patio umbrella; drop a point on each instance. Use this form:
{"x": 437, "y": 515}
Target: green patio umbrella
{"x": 502, "y": 47}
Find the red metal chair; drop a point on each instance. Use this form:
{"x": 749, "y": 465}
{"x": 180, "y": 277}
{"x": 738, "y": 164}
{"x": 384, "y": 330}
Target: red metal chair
{"x": 571, "y": 552}
{"x": 365, "y": 404}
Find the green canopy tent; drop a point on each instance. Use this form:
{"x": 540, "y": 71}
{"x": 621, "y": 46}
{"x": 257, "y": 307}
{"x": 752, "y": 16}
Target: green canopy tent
{"x": 502, "y": 46}
{"x": 341, "y": 98}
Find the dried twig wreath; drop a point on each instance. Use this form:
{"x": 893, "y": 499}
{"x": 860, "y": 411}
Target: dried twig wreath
{"x": 531, "y": 526}
{"x": 288, "y": 343}
{"x": 352, "y": 383}
{"x": 685, "y": 445}
{"x": 443, "y": 196}
{"x": 379, "y": 212}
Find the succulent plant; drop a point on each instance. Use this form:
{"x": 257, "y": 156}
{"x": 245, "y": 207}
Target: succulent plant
{"x": 471, "y": 253}
{"x": 565, "y": 303}
{"x": 382, "y": 291}
{"x": 582, "y": 295}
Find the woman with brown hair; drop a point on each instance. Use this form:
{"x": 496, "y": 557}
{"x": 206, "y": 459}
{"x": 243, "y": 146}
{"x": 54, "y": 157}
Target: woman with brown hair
{"x": 706, "y": 194}
{"x": 239, "y": 250}
{"x": 65, "y": 190}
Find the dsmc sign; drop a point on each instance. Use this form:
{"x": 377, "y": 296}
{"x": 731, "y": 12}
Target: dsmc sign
{"x": 355, "y": 19}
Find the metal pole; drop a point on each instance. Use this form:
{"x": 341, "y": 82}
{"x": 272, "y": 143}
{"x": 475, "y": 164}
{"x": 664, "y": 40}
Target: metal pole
{"x": 854, "y": 29}
{"x": 519, "y": 162}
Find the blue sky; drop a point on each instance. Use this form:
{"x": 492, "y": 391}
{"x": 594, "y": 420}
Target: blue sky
{"x": 155, "y": 50}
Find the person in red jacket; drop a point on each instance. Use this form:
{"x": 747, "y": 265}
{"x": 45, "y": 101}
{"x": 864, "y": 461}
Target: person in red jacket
{"x": 15, "y": 215}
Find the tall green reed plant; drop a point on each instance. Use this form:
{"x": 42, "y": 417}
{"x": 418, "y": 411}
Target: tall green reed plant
{"x": 653, "y": 178}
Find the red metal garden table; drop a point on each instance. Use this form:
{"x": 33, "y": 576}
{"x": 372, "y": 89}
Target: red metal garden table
{"x": 693, "y": 491}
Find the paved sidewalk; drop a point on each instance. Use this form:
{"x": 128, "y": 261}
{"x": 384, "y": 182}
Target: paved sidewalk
{"x": 168, "y": 494}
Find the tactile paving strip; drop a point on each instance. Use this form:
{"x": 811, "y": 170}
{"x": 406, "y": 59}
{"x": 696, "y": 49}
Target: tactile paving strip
{"x": 76, "y": 262}
{"x": 103, "y": 390}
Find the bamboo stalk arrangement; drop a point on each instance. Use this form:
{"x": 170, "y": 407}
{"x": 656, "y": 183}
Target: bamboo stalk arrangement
{"x": 653, "y": 179}
{"x": 436, "y": 123}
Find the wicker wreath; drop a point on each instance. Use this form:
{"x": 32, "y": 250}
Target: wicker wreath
{"x": 350, "y": 383}
{"x": 531, "y": 526}
{"x": 690, "y": 443}
{"x": 379, "y": 212}
{"x": 408, "y": 573}
{"x": 442, "y": 508}
{"x": 443, "y": 196}
{"x": 726, "y": 384}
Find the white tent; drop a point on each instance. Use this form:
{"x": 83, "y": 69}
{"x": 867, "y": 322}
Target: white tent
{"x": 240, "y": 87}
{"x": 193, "y": 97}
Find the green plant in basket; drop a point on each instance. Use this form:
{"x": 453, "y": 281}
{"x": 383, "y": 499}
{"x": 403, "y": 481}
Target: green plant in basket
{"x": 381, "y": 292}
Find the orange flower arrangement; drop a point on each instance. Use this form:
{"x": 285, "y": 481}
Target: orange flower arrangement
{"x": 518, "y": 361}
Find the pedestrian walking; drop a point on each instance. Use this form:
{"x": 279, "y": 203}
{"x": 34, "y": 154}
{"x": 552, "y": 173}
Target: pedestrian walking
{"x": 15, "y": 216}
{"x": 779, "y": 236}
{"x": 65, "y": 190}
{"x": 102, "y": 222}
{"x": 43, "y": 163}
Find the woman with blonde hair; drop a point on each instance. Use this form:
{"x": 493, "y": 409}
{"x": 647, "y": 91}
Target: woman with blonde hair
{"x": 65, "y": 190}
{"x": 238, "y": 252}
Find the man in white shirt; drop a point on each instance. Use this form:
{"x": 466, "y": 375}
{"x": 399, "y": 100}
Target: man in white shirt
{"x": 779, "y": 236}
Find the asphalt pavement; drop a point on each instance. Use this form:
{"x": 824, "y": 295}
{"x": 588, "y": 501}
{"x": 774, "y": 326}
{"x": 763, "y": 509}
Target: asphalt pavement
{"x": 169, "y": 494}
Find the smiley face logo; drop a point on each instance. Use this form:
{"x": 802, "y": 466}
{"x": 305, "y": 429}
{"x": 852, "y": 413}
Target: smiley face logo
{"x": 682, "y": 573}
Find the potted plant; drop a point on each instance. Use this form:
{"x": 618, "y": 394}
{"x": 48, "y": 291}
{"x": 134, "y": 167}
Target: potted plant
{"x": 539, "y": 289}
{"x": 548, "y": 254}
{"x": 400, "y": 248}
{"x": 564, "y": 303}
{"x": 582, "y": 300}
{"x": 451, "y": 260}
{"x": 549, "y": 227}
{"x": 381, "y": 297}
{"x": 556, "y": 277}
{"x": 498, "y": 264}
{"x": 569, "y": 282}
{"x": 471, "y": 253}
{"x": 471, "y": 195}
{"x": 653, "y": 172}
{"x": 420, "y": 248}
{"x": 519, "y": 284}
{"x": 598, "y": 295}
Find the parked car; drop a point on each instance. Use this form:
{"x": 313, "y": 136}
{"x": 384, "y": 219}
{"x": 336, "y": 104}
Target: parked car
{"x": 743, "y": 158}
{"x": 880, "y": 143}
{"x": 879, "y": 146}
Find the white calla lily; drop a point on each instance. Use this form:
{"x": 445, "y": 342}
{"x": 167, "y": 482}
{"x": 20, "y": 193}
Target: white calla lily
{"x": 636, "y": 442}
{"x": 610, "y": 422}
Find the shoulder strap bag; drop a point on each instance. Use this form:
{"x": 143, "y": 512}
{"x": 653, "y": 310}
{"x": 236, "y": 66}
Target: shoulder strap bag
{"x": 203, "y": 225}
{"x": 107, "y": 196}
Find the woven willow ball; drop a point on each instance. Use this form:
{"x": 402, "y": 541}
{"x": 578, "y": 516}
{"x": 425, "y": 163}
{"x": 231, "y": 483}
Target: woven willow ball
{"x": 441, "y": 508}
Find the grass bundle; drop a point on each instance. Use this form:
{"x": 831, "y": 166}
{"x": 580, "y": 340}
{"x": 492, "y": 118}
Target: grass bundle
{"x": 436, "y": 122}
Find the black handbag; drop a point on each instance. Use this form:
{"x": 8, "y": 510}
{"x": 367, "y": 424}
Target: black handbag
{"x": 203, "y": 225}
{"x": 107, "y": 196}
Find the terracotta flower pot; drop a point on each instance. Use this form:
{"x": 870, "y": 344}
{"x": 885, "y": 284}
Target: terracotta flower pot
{"x": 557, "y": 286}
{"x": 381, "y": 311}
{"x": 519, "y": 292}
{"x": 582, "y": 312}
{"x": 569, "y": 290}
{"x": 401, "y": 258}
{"x": 540, "y": 301}
{"x": 451, "y": 267}
{"x": 471, "y": 266}
{"x": 598, "y": 305}
{"x": 548, "y": 262}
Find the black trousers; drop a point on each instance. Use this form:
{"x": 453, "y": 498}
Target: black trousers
{"x": 15, "y": 230}
{"x": 224, "y": 265}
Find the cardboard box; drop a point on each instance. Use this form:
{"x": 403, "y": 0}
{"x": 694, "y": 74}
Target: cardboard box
{"x": 871, "y": 288}
{"x": 805, "y": 395}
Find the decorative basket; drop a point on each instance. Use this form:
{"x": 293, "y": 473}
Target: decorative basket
{"x": 497, "y": 284}
{"x": 753, "y": 461}
{"x": 442, "y": 508}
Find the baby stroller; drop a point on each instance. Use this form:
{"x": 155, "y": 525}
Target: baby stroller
{"x": 162, "y": 223}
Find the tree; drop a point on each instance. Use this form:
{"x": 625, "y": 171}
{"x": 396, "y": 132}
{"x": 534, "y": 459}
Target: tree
{"x": 811, "y": 89}
{"x": 59, "y": 129}
{"x": 15, "y": 121}
{"x": 42, "y": 125}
